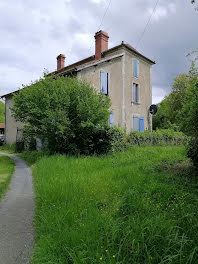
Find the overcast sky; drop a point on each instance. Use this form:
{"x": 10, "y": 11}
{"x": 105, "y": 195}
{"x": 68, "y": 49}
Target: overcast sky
{"x": 34, "y": 32}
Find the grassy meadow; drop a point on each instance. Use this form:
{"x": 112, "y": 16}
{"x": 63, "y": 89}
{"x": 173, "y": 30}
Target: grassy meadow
{"x": 132, "y": 207}
{"x": 6, "y": 170}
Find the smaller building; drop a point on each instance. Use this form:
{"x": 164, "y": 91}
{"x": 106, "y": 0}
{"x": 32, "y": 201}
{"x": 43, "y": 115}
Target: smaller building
{"x": 2, "y": 128}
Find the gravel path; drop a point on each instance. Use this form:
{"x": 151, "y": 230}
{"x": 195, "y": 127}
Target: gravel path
{"x": 16, "y": 216}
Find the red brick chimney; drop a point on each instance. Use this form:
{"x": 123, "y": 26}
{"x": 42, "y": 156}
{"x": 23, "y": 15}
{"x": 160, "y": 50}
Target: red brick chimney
{"x": 101, "y": 44}
{"x": 60, "y": 61}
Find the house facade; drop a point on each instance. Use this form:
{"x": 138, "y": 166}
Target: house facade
{"x": 122, "y": 73}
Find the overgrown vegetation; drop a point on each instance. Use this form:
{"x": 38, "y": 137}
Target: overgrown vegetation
{"x": 121, "y": 208}
{"x": 66, "y": 113}
{"x": 2, "y": 111}
{"x": 168, "y": 115}
{"x": 8, "y": 148}
{"x": 6, "y": 170}
{"x": 158, "y": 137}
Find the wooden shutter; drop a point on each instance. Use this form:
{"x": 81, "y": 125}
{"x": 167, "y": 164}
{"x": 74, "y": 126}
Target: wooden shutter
{"x": 136, "y": 123}
{"x": 104, "y": 81}
{"x": 141, "y": 124}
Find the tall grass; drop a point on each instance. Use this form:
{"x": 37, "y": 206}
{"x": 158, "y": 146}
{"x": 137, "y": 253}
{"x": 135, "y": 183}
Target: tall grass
{"x": 8, "y": 148}
{"x": 121, "y": 208}
{"x": 6, "y": 170}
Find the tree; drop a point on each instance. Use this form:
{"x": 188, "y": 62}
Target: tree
{"x": 168, "y": 115}
{"x": 189, "y": 109}
{"x": 64, "y": 111}
{"x": 2, "y": 110}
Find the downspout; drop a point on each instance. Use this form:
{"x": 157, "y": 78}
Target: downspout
{"x": 4, "y": 99}
{"x": 123, "y": 92}
{"x": 150, "y": 116}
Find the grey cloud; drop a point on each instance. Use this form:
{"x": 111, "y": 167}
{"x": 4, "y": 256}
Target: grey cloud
{"x": 35, "y": 31}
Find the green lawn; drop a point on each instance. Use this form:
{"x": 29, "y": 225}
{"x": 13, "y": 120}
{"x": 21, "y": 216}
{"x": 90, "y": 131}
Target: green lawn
{"x": 6, "y": 170}
{"x": 134, "y": 207}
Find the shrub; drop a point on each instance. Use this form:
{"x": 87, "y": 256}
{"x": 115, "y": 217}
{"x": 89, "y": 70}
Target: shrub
{"x": 65, "y": 112}
{"x": 192, "y": 151}
{"x": 158, "y": 137}
{"x": 107, "y": 139}
{"x": 117, "y": 139}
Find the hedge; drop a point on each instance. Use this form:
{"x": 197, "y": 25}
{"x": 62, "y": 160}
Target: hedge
{"x": 158, "y": 137}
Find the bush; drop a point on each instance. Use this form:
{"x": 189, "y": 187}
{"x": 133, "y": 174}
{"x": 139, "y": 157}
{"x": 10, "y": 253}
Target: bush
{"x": 192, "y": 151}
{"x": 65, "y": 112}
{"x": 117, "y": 139}
{"x": 158, "y": 137}
{"x": 106, "y": 139}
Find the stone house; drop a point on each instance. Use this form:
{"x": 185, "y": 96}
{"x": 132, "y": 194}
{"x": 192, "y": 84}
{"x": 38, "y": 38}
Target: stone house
{"x": 120, "y": 72}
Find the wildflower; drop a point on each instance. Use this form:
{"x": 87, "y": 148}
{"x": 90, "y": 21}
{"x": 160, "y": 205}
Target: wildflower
{"x": 106, "y": 250}
{"x": 100, "y": 258}
{"x": 113, "y": 256}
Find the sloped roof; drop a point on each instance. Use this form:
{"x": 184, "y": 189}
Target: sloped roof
{"x": 88, "y": 60}
{"x": 2, "y": 125}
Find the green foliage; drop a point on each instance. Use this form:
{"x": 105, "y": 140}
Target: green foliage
{"x": 189, "y": 111}
{"x": 9, "y": 148}
{"x": 158, "y": 137}
{"x": 121, "y": 208}
{"x": 168, "y": 115}
{"x": 2, "y": 112}
{"x": 192, "y": 151}
{"x": 31, "y": 157}
{"x": 6, "y": 170}
{"x": 117, "y": 139}
{"x": 64, "y": 111}
{"x": 189, "y": 114}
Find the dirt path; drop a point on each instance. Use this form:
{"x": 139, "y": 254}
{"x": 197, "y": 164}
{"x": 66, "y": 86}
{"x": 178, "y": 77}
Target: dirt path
{"x": 16, "y": 217}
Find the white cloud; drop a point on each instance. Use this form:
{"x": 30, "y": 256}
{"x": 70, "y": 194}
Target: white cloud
{"x": 97, "y": 1}
{"x": 33, "y": 33}
{"x": 158, "y": 94}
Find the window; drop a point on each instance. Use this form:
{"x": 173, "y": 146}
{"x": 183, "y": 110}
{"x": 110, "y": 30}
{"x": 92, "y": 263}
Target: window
{"x": 104, "y": 82}
{"x": 111, "y": 120}
{"x": 135, "y": 68}
{"x": 135, "y": 93}
{"x": 138, "y": 123}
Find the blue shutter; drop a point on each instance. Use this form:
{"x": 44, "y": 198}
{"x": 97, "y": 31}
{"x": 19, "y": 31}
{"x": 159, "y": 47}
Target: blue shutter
{"x": 111, "y": 120}
{"x": 104, "y": 80}
{"x": 135, "y": 68}
{"x": 136, "y": 123}
{"x": 141, "y": 124}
